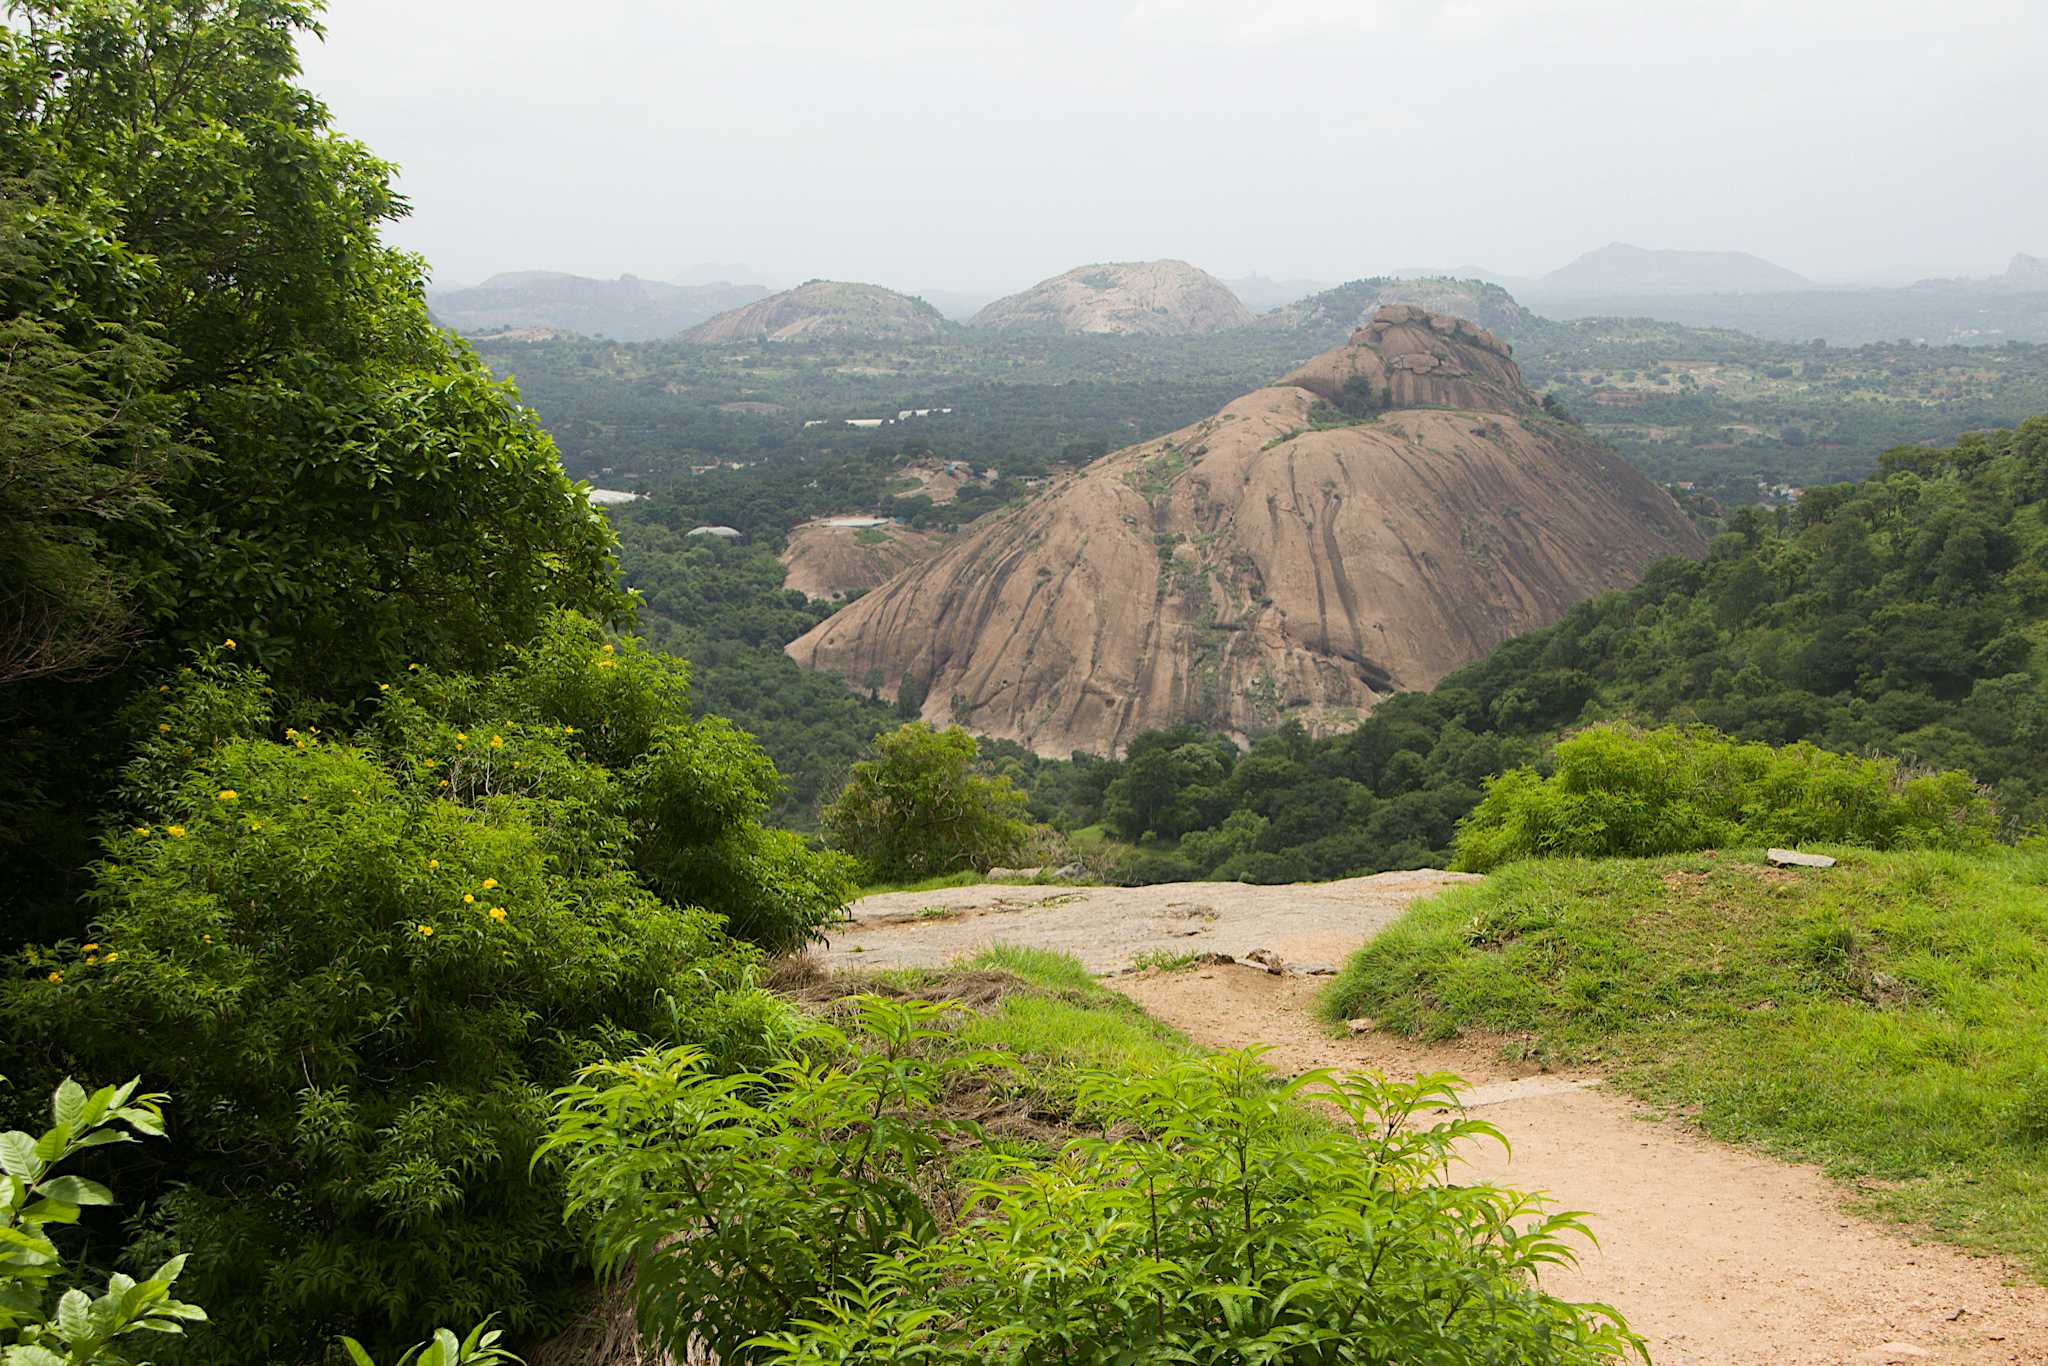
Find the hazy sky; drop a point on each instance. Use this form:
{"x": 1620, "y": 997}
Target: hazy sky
{"x": 952, "y": 144}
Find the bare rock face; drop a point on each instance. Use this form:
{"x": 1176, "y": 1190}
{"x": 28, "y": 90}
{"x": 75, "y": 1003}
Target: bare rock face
{"x": 827, "y": 559}
{"x": 1386, "y": 514}
{"x": 1149, "y": 298}
{"x": 823, "y": 309}
{"x": 1337, "y": 311}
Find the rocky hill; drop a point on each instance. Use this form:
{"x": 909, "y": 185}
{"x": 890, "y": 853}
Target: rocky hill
{"x": 626, "y": 309}
{"x": 1387, "y": 513}
{"x": 1619, "y": 268}
{"x": 821, "y": 309}
{"x": 1144, "y": 298}
{"x": 1339, "y": 311}
{"x": 838, "y": 556}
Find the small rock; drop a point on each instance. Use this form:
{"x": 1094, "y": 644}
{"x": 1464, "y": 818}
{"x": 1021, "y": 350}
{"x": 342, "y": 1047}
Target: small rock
{"x": 1364, "y": 1024}
{"x": 1072, "y": 872}
{"x": 1793, "y": 858}
{"x": 1013, "y": 874}
{"x": 1313, "y": 969}
{"x": 1266, "y": 959}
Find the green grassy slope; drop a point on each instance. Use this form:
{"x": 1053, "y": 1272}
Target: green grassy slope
{"x": 1888, "y": 1017}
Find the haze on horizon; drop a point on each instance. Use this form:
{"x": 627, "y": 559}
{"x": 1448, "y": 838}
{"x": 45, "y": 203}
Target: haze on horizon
{"x": 942, "y": 144}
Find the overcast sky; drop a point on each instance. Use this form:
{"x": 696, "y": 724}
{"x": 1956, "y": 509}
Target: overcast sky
{"x": 949, "y": 144}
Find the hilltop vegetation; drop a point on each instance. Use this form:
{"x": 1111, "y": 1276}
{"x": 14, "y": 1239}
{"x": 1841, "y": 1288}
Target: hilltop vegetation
{"x": 1883, "y": 1017}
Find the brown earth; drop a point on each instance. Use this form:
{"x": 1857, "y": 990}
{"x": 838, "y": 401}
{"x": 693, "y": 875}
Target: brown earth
{"x": 1252, "y": 569}
{"x": 825, "y": 308}
{"x": 832, "y": 561}
{"x": 1145, "y": 298}
{"x": 1719, "y": 1256}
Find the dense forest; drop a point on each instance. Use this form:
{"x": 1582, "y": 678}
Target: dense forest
{"x": 1737, "y": 417}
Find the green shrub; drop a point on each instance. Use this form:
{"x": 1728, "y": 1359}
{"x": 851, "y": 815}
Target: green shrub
{"x": 76, "y": 1327}
{"x": 812, "y": 1213}
{"x": 364, "y": 962}
{"x": 917, "y": 809}
{"x": 1621, "y": 791}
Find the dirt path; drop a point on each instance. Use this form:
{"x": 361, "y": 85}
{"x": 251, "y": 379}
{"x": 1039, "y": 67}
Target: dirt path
{"x": 1720, "y": 1257}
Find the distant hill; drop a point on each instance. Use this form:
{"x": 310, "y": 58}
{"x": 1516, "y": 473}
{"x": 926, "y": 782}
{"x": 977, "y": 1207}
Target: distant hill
{"x": 1390, "y": 511}
{"x": 1619, "y": 268}
{"x": 2024, "y": 274}
{"x": 1335, "y": 312}
{"x": 1260, "y": 293}
{"x": 1141, "y": 298}
{"x": 628, "y": 308}
{"x": 824, "y": 309}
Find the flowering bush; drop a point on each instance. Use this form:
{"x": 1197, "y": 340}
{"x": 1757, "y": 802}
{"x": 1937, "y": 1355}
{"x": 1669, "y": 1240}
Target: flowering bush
{"x": 362, "y": 963}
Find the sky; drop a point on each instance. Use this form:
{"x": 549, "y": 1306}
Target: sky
{"x": 954, "y": 144}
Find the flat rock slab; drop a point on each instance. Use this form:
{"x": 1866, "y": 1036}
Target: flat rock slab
{"x": 1792, "y": 858}
{"x": 1110, "y": 928}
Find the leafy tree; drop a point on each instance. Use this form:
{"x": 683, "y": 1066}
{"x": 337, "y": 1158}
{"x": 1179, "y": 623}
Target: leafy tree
{"x": 256, "y": 429}
{"x": 362, "y": 961}
{"x": 918, "y": 809}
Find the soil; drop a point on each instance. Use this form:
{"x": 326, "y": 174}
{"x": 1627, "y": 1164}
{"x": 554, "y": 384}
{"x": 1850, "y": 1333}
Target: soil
{"x": 1717, "y": 1255}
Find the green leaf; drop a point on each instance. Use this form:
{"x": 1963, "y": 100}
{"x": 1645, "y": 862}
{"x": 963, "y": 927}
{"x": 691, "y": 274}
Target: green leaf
{"x": 18, "y": 1155}
{"x": 74, "y": 1315}
{"x": 76, "y": 1190}
{"x": 69, "y": 1103}
{"x": 355, "y": 1351}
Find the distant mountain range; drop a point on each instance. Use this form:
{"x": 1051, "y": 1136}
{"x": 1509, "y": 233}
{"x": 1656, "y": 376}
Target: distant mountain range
{"x": 1619, "y": 268}
{"x": 2023, "y": 274}
{"x": 627, "y": 309}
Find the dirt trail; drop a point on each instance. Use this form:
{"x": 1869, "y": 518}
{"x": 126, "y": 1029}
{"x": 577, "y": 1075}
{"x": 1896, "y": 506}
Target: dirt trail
{"x": 1719, "y": 1256}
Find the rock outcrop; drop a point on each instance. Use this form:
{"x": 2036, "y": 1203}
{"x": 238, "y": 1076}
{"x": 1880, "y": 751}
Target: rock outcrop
{"x": 1337, "y": 312}
{"x": 1387, "y": 513}
{"x": 1145, "y": 298}
{"x": 837, "y": 557}
{"x": 822, "y": 309}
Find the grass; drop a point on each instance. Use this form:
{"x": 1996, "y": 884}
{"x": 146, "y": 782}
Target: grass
{"x": 967, "y": 878}
{"x": 1887, "y": 1018}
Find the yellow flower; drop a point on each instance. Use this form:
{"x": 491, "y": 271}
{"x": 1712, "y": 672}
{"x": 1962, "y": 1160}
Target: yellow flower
{"x": 226, "y": 794}
{"x": 163, "y": 687}
{"x": 229, "y": 643}
{"x": 111, "y": 956}
{"x": 517, "y": 764}
{"x": 163, "y": 727}
{"x": 498, "y": 914}
{"x": 255, "y": 825}
{"x": 497, "y": 742}
{"x": 54, "y": 977}
{"x": 608, "y": 649}
{"x": 462, "y": 735}
{"x": 87, "y": 948}
{"x": 489, "y": 883}
{"x": 206, "y": 939}
{"x": 606, "y": 663}
{"x": 291, "y": 733}
{"x": 90, "y": 960}
{"x": 383, "y": 687}
{"x": 468, "y": 900}
{"x": 412, "y": 668}
{"x": 444, "y": 782}
{"x": 433, "y": 863}
{"x": 142, "y": 830}
{"x": 176, "y": 832}
{"x": 568, "y": 730}
{"x": 427, "y": 931}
